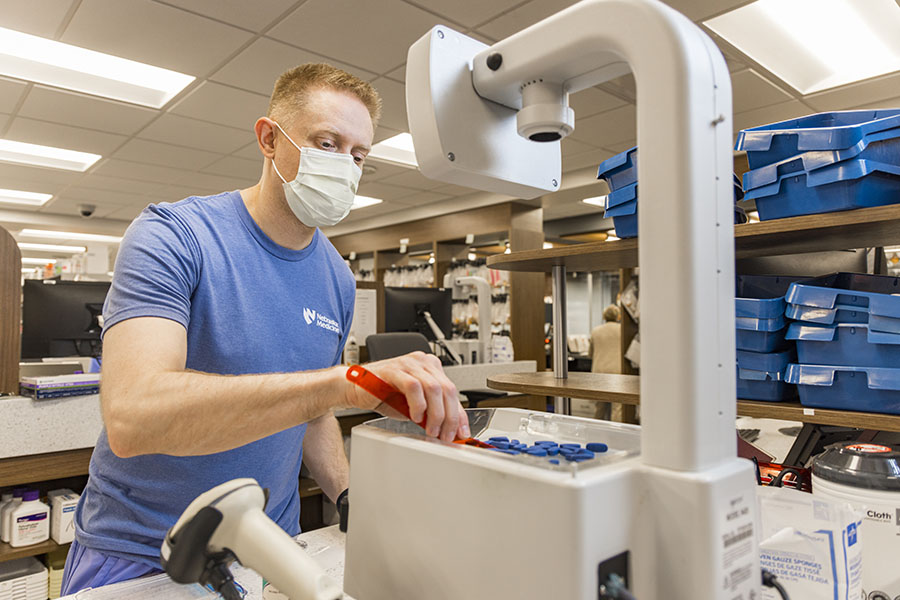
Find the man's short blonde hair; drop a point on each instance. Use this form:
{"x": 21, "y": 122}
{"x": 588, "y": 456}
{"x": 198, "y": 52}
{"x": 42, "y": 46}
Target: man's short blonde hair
{"x": 292, "y": 87}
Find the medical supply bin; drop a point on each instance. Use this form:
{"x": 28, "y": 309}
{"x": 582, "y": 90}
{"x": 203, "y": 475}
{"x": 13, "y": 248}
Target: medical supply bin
{"x": 760, "y": 376}
{"x": 867, "y": 389}
{"x": 847, "y": 298}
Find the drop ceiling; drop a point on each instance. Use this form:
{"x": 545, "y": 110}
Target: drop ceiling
{"x": 202, "y": 141}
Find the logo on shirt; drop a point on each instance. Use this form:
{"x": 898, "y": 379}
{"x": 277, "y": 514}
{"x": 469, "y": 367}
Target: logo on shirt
{"x": 319, "y": 320}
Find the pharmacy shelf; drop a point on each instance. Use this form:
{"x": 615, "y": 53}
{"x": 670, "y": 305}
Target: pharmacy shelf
{"x": 7, "y": 552}
{"x": 861, "y": 228}
{"x": 626, "y": 390}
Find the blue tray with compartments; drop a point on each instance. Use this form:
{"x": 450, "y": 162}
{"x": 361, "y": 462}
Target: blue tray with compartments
{"x": 847, "y": 298}
{"x": 852, "y": 344}
{"x": 761, "y": 296}
{"x": 620, "y": 170}
{"x": 868, "y": 389}
{"x": 760, "y": 335}
{"x": 844, "y": 186}
{"x": 760, "y": 376}
{"x": 822, "y": 139}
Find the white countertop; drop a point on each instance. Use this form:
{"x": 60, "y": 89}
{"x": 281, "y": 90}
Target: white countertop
{"x": 29, "y": 426}
{"x": 325, "y": 546}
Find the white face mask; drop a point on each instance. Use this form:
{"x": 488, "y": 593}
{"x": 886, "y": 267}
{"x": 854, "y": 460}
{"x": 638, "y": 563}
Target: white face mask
{"x": 325, "y": 186}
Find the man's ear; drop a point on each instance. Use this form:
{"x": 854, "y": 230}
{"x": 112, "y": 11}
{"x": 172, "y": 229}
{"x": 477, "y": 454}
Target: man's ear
{"x": 265, "y": 136}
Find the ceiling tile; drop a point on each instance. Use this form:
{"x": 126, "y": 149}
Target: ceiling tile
{"x": 375, "y": 189}
{"x": 257, "y": 67}
{"x": 167, "y": 155}
{"x": 314, "y": 25}
{"x": 79, "y": 194}
{"x": 182, "y": 131}
{"x": 126, "y": 213}
{"x": 142, "y": 172}
{"x": 623, "y": 87}
{"x": 621, "y": 146}
{"x": 421, "y": 198}
{"x": 116, "y": 184}
{"x": 889, "y": 103}
{"x": 383, "y": 133}
{"x": 607, "y": 128}
{"x": 412, "y": 179}
{"x": 571, "y": 147}
{"x": 398, "y": 74}
{"x": 587, "y": 159}
{"x": 40, "y": 186}
{"x": 37, "y": 17}
{"x": 856, "y": 94}
{"x": 468, "y": 12}
{"x": 174, "y": 193}
{"x": 10, "y": 93}
{"x": 64, "y": 206}
{"x": 750, "y": 90}
{"x": 213, "y": 184}
{"x": 254, "y": 15}
{"x": 250, "y": 151}
{"x": 454, "y": 190}
{"x": 237, "y": 167}
{"x": 592, "y": 101}
{"x": 223, "y": 105}
{"x": 393, "y": 96}
{"x": 382, "y": 170}
{"x": 63, "y": 136}
{"x": 71, "y": 108}
{"x": 520, "y": 18}
{"x": 177, "y": 40}
{"x": 770, "y": 114}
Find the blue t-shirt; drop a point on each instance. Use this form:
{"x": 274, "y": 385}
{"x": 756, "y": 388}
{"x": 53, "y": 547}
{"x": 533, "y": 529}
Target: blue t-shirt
{"x": 248, "y": 306}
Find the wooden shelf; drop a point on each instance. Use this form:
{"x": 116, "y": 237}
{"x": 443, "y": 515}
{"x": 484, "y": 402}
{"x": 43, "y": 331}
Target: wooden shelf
{"x": 626, "y": 390}
{"x": 861, "y": 228}
{"x": 44, "y": 467}
{"x": 7, "y": 552}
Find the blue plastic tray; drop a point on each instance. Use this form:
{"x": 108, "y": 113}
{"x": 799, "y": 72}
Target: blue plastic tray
{"x": 821, "y": 132}
{"x": 761, "y": 296}
{"x": 760, "y": 376}
{"x": 760, "y": 339}
{"x": 883, "y": 147}
{"x": 844, "y": 186}
{"x": 619, "y": 170}
{"x": 852, "y": 344}
{"x": 870, "y": 389}
{"x": 623, "y": 195}
{"x": 768, "y": 362}
{"x": 847, "y": 297}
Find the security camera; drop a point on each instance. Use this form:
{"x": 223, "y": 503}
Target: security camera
{"x": 86, "y": 210}
{"x": 545, "y": 115}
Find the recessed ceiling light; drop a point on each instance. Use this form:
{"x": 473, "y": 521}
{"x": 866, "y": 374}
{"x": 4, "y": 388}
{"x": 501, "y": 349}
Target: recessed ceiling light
{"x": 547, "y": 245}
{"x": 52, "y": 248}
{"x": 46, "y": 156}
{"x": 397, "y": 150}
{"x": 37, "y": 59}
{"x": 68, "y": 235}
{"x": 364, "y": 201}
{"x": 38, "y": 262}
{"x": 596, "y": 201}
{"x": 815, "y": 45}
{"x": 27, "y": 198}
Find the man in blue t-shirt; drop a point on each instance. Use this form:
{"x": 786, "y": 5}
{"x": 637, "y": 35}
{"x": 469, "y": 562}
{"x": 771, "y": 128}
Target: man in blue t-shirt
{"x": 225, "y": 320}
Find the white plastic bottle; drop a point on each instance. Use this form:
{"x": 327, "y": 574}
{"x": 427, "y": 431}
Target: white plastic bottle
{"x": 5, "y": 511}
{"x": 351, "y": 351}
{"x": 30, "y": 521}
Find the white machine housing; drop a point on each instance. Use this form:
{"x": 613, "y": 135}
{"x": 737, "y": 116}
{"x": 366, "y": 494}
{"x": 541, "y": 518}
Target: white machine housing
{"x": 686, "y": 508}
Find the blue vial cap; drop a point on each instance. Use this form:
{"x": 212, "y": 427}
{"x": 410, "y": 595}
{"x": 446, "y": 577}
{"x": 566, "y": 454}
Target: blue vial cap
{"x": 584, "y": 454}
{"x": 552, "y": 450}
{"x": 545, "y": 443}
{"x": 504, "y": 451}
{"x": 500, "y": 445}
{"x": 553, "y": 461}
{"x": 564, "y": 450}
{"x": 536, "y": 451}
{"x": 576, "y": 446}
{"x": 597, "y": 447}
{"x": 514, "y": 442}
{"x": 499, "y": 438}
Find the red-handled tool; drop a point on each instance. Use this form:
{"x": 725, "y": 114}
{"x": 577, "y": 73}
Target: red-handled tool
{"x": 394, "y": 398}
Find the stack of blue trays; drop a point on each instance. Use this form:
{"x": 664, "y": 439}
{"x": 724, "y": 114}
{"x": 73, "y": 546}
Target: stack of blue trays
{"x": 823, "y": 163}
{"x": 848, "y": 342}
{"x": 620, "y": 174}
{"x": 763, "y": 352}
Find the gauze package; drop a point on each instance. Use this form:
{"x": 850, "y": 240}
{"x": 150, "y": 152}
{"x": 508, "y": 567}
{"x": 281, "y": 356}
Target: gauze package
{"x": 813, "y": 546}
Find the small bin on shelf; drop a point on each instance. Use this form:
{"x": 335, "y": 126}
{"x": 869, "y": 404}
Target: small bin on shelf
{"x": 847, "y": 298}
{"x": 847, "y": 344}
{"x": 867, "y": 389}
{"x": 760, "y": 376}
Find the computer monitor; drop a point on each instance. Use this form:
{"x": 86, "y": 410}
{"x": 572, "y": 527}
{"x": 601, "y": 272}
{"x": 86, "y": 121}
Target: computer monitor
{"x": 61, "y": 318}
{"x": 403, "y": 308}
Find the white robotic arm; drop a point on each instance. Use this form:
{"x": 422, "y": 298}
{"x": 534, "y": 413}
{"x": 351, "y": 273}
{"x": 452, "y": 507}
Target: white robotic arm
{"x": 227, "y": 523}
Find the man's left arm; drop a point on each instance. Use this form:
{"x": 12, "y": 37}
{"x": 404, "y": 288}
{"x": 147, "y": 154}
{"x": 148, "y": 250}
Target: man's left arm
{"x": 323, "y": 454}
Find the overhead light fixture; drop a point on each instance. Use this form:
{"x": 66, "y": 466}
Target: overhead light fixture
{"x": 364, "y": 201}
{"x": 40, "y": 60}
{"x": 815, "y": 45}
{"x": 547, "y": 245}
{"x": 46, "y": 156}
{"x": 397, "y": 150}
{"x": 69, "y": 235}
{"x": 38, "y": 262}
{"x": 52, "y": 248}
{"x": 596, "y": 201}
{"x": 471, "y": 256}
{"x": 27, "y": 198}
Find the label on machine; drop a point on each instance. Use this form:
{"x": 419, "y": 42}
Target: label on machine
{"x": 741, "y": 575}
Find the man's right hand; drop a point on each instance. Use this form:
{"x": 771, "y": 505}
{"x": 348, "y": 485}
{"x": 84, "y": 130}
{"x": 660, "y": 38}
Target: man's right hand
{"x": 428, "y": 392}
